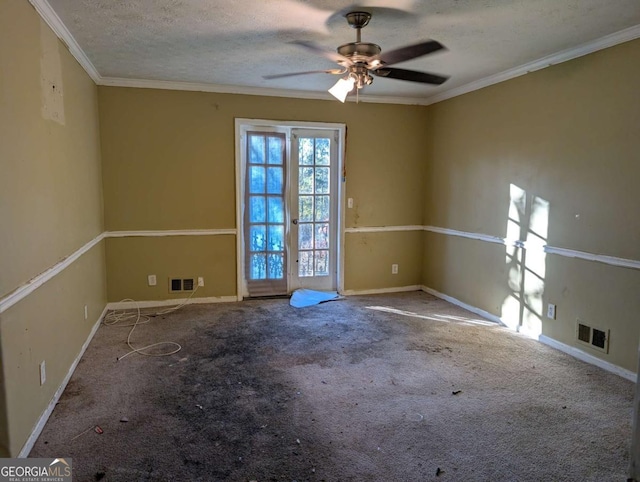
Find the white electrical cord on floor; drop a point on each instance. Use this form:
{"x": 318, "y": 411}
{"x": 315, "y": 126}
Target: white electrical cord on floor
{"x": 116, "y": 317}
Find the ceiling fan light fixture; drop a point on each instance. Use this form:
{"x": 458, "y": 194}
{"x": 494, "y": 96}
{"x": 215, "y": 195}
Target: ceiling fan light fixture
{"x": 342, "y": 88}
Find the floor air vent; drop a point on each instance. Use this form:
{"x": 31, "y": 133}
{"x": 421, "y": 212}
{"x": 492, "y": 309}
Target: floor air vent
{"x": 594, "y": 337}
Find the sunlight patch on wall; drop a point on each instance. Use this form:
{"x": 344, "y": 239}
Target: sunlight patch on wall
{"x": 527, "y": 233}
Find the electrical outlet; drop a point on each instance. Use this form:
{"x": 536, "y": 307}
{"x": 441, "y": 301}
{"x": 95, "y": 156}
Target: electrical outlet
{"x": 551, "y": 311}
{"x": 394, "y": 269}
{"x": 86, "y": 312}
{"x": 43, "y": 373}
{"x": 200, "y": 281}
{"x": 152, "y": 280}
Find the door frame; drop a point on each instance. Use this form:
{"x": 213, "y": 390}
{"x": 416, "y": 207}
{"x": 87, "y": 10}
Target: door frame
{"x": 242, "y": 126}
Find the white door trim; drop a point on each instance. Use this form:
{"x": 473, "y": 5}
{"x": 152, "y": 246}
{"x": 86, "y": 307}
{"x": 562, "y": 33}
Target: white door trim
{"x": 242, "y": 125}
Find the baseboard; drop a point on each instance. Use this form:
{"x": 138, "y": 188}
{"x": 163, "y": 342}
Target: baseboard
{"x": 380, "y": 291}
{"x": 129, "y": 305}
{"x": 462, "y": 304}
{"x": 588, "y": 358}
{"x": 37, "y": 430}
{"x": 570, "y": 350}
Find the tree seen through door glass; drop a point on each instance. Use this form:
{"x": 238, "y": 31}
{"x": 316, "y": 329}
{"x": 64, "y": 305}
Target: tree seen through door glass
{"x": 257, "y": 209}
{"x": 322, "y": 208}
{"x": 305, "y": 151}
{"x": 275, "y": 266}
{"x": 322, "y": 236}
{"x": 276, "y": 238}
{"x": 258, "y": 266}
{"x": 305, "y": 236}
{"x": 256, "y": 179}
{"x": 258, "y": 237}
{"x": 322, "y": 151}
{"x": 305, "y": 263}
{"x": 305, "y": 180}
{"x": 276, "y": 209}
{"x": 276, "y": 150}
{"x": 322, "y": 263}
{"x": 322, "y": 180}
{"x": 274, "y": 180}
{"x": 256, "y": 150}
{"x": 305, "y": 208}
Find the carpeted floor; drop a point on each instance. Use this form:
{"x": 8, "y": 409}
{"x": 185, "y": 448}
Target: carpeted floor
{"x": 402, "y": 387}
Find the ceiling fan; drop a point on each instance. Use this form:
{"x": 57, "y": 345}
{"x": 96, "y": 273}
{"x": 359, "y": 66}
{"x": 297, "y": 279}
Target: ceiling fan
{"x": 360, "y": 61}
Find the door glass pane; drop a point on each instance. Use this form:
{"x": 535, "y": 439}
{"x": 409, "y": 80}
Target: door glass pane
{"x": 276, "y": 209}
{"x": 322, "y": 263}
{"x": 305, "y": 181}
{"x": 322, "y": 180}
{"x": 305, "y": 151}
{"x": 275, "y": 266}
{"x": 323, "y": 152}
{"x": 305, "y": 263}
{"x": 256, "y": 179}
{"x": 258, "y": 237}
{"x": 257, "y": 209}
{"x": 274, "y": 180}
{"x": 305, "y": 236}
{"x": 305, "y": 208}
{"x": 322, "y": 236}
{"x": 276, "y": 238}
{"x": 258, "y": 266}
{"x": 256, "y": 149}
{"x": 322, "y": 208}
{"x": 276, "y": 150}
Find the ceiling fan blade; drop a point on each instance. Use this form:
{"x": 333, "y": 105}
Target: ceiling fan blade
{"x": 327, "y": 53}
{"x": 410, "y": 75}
{"x": 409, "y": 52}
{"x": 291, "y": 74}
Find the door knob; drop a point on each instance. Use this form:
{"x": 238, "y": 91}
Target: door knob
{"x": 294, "y": 221}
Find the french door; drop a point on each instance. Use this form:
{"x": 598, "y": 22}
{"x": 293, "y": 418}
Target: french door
{"x": 290, "y": 210}
{"x": 313, "y": 209}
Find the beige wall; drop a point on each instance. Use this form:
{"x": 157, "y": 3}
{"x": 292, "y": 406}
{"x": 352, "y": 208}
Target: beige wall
{"x": 169, "y": 163}
{"x": 50, "y": 206}
{"x": 370, "y": 256}
{"x": 569, "y": 136}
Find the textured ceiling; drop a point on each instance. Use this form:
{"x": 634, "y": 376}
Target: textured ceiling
{"x": 235, "y": 43}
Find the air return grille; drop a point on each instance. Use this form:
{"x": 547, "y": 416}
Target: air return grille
{"x": 181, "y": 284}
{"x": 594, "y": 337}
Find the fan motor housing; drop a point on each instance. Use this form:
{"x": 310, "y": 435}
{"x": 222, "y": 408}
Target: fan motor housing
{"x": 359, "y": 51}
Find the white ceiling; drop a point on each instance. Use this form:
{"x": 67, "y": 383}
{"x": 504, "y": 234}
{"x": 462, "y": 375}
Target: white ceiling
{"x": 229, "y": 45}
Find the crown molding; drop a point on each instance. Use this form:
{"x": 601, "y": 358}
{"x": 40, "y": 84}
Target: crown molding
{"x": 51, "y": 18}
{"x": 607, "y": 41}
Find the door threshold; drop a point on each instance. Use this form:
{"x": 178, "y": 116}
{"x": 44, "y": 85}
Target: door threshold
{"x": 267, "y": 297}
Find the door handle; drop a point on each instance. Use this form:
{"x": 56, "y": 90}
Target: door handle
{"x": 294, "y": 221}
